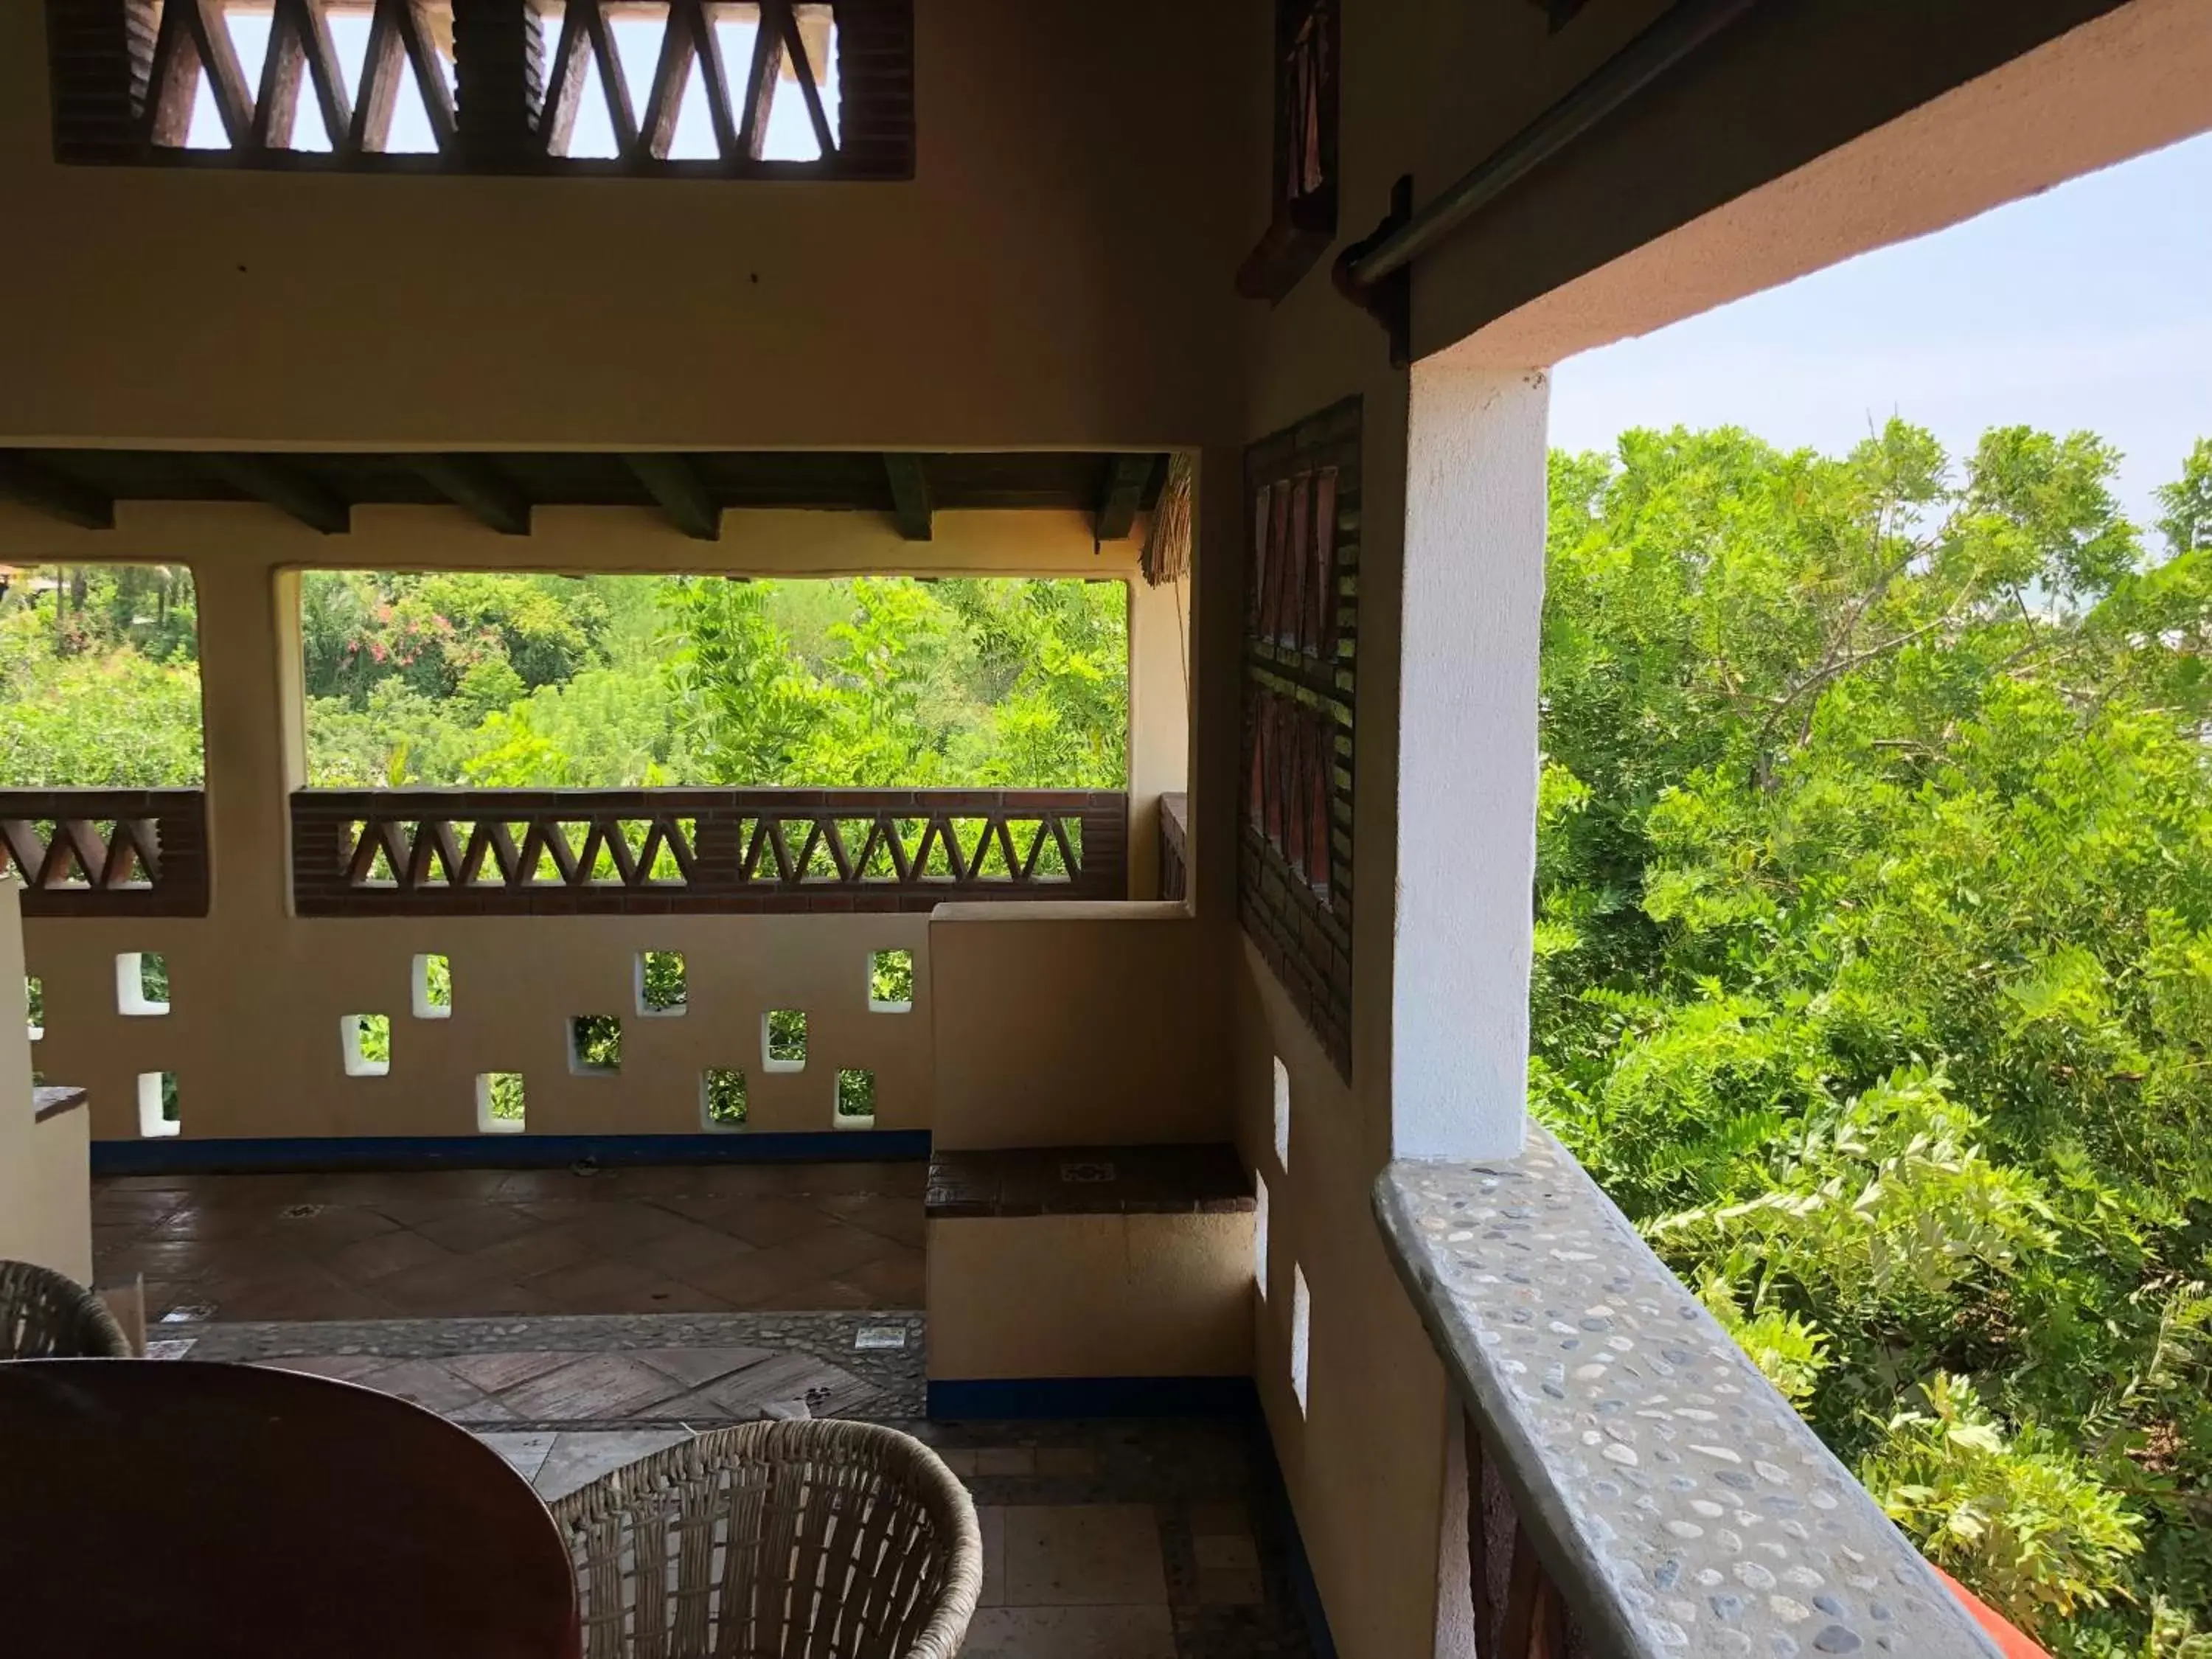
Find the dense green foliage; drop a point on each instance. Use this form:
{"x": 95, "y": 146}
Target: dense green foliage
{"x": 1875, "y": 971}
{"x": 613, "y": 681}
{"x": 498, "y": 680}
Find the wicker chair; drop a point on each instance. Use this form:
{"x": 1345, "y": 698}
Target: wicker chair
{"x": 45, "y": 1315}
{"x": 826, "y": 1539}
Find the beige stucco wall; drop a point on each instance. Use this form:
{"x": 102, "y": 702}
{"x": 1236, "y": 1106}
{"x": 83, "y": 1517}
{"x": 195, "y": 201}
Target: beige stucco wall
{"x": 45, "y": 1186}
{"x": 1105, "y": 1296}
{"x": 1031, "y": 287}
{"x": 1073, "y": 1025}
{"x": 252, "y": 1033}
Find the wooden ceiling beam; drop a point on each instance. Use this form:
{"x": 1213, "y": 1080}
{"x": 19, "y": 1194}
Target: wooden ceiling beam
{"x": 1126, "y": 478}
{"x": 478, "y": 489}
{"x": 37, "y": 485}
{"x": 287, "y": 489}
{"x": 912, "y": 509}
{"x": 675, "y": 484}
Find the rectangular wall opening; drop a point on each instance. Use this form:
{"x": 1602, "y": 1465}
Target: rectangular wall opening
{"x": 594, "y": 1045}
{"x": 365, "y": 1044}
{"x": 663, "y": 990}
{"x": 499, "y": 1102}
{"x": 158, "y": 1113}
{"x": 79, "y": 642}
{"x": 890, "y": 982}
{"x": 1260, "y": 1233}
{"x": 432, "y": 977}
{"x": 483, "y": 679}
{"x": 1282, "y": 1115}
{"x": 856, "y": 1100}
{"x": 783, "y": 1040}
{"x": 141, "y": 984}
{"x": 1301, "y": 1335}
{"x": 34, "y": 1005}
{"x": 722, "y": 1097}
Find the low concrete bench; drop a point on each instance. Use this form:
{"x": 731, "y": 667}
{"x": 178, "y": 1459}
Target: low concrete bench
{"x": 1088, "y": 1280}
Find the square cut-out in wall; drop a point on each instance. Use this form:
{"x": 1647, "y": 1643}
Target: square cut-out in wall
{"x": 1301, "y": 1335}
{"x": 158, "y": 1113}
{"x": 662, "y": 988}
{"x": 783, "y": 1040}
{"x": 499, "y": 1102}
{"x": 1260, "y": 1233}
{"x": 34, "y": 1005}
{"x": 722, "y": 1097}
{"x": 891, "y": 981}
{"x": 594, "y": 1045}
{"x": 1282, "y": 1110}
{"x": 141, "y": 984}
{"x": 432, "y": 978}
{"x": 856, "y": 1100}
{"x": 365, "y": 1044}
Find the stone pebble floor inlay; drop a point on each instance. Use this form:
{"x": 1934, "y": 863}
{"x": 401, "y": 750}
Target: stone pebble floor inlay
{"x": 1703, "y": 1514}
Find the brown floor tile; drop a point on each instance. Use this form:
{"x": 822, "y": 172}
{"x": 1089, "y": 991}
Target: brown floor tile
{"x": 372, "y": 1258}
{"x": 900, "y": 1219}
{"x": 478, "y": 1227}
{"x": 430, "y": 1384}
{"x": 1071, "y": 1634}
{"x": 597, "y": 1386}
{"x": 592, "y": 1283}
{"x": 691, "y": 1248}
{"x": 344, "y": 1367}
{"x": 1084, "y": 1555}
{"x": 696, "y": 1368}
{"x": 525, "y": 1256}
{"x": 377, "y": 1244}
{"x": 496, "y": 1372}
{"x": 897, "y": 1281}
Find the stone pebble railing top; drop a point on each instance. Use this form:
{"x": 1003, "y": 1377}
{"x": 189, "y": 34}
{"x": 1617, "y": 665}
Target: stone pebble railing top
{"x": 1678, "y": 1502}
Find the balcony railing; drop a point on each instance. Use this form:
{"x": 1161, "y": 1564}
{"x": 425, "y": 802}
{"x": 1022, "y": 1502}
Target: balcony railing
{"x": 1635, "y": 1485}
{"x": 1175, "y": 846}
{"x": 106, "y": 851}
{"x": 649, "y": 852}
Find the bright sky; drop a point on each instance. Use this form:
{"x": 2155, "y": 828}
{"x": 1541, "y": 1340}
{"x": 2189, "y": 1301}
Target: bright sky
{"x": 2087, "y": 306}
{"x": 790, "y": 136}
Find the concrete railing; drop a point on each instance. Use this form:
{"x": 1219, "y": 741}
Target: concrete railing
{"x": 1634, "y": 1487}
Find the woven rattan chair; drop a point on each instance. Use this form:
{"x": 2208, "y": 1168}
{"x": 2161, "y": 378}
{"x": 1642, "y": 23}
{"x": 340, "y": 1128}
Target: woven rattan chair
{"x": 45, "y": 1315}
{"x": 777, "y": 1540}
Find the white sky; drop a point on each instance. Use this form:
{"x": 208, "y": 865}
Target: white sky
{"x": 2087, "y": 306}
{"x": 790, "y": 135}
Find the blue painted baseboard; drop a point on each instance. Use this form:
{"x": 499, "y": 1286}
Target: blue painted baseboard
{"x": 181, "y": 1155}
{"x": 1044, "y": 1397}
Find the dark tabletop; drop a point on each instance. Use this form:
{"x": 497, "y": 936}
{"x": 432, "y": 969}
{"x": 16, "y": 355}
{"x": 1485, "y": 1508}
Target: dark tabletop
{"x": 166, "y": 1510}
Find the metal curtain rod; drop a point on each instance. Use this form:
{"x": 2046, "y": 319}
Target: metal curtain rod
{"x": 1684, "y": 28}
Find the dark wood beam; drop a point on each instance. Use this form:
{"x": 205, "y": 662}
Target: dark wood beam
{"x": 911, "y": 509}
{"x": 671, "y": 481}
{"x": 286, "y": 488}
{"x": 36, "y": 485}
{"x": 479, "y": 488}
{"x": 1126, "y": 478}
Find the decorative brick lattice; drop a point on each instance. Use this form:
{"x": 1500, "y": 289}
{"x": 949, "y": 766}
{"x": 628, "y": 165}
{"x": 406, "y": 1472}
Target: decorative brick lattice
{"x": 651, "y": 852}
{"x": 106, "y": 851}
{"x": 1301, "y": 648}
{"x": 500, "y": 84}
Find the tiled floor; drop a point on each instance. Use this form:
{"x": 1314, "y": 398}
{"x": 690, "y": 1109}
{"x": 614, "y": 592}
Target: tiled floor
{"x": 698, "y": 1238}
{"x": 1101, "y": 1540}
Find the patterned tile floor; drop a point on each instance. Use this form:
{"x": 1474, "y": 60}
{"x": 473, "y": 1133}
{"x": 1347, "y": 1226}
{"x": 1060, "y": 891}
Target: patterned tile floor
{"x": 694, "y": 1239}
{"x": 1102, "y": 1540}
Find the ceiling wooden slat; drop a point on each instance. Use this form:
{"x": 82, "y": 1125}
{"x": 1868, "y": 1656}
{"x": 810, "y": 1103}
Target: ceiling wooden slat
{"x": 1126, "y": 478}
{"x": 674, "y": 483}
{"x": 285, "y": 488}
{"x": 26, "y": 481}
{"x": 478, "y": 488}
{"x": 910, "y": 502}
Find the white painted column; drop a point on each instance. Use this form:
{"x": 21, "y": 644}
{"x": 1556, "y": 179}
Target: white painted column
{"x": 1467, "y": 760}
{"x": 1159, "y": 720}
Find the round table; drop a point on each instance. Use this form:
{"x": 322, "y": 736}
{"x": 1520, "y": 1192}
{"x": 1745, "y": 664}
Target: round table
{"x": 157, "y": 1510}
